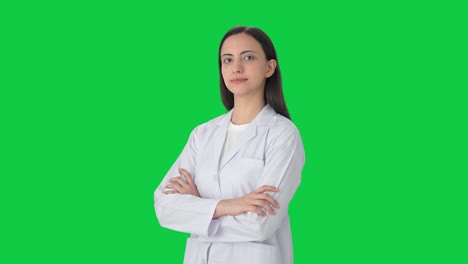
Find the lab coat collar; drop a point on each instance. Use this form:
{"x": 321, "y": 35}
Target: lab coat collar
{"x": 262, "y": 119}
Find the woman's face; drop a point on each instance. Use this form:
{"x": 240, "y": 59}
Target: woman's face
{"x": 244, "y": 65}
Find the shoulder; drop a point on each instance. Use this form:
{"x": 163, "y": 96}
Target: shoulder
{"x": 283, "y": 129}
{"x": 284, "y": 139}
{"x": 276, "y": 125}
{"x": 201, "y": 130}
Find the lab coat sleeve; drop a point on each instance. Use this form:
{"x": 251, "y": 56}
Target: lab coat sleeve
{"x": 183, "y": 212}
{"x": 283, "y": 166}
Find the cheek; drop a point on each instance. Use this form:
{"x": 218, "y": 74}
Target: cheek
{"x": 258, "y": 66}
{"x": 260, "y": 70}
{"x": 224, "y": 71}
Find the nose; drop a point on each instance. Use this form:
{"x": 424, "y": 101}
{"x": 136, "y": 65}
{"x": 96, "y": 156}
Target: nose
{"x": 237, "y": 67}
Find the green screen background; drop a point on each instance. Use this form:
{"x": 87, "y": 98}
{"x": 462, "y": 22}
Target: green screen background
{"x": 97, "y": 100}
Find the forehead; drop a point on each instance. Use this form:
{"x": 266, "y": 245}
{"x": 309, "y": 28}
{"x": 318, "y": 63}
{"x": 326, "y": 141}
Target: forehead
{"x": 235, "y": 44}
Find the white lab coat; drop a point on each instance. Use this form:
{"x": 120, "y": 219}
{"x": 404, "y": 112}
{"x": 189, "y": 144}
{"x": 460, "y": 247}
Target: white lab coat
{"x": 269, "y": 152}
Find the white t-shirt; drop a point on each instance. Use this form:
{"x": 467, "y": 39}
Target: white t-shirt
{"x": 233, "y": 134}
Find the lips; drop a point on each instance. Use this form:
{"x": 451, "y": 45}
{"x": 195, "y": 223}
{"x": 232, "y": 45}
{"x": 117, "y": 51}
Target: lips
{"x": 238, "y": 80}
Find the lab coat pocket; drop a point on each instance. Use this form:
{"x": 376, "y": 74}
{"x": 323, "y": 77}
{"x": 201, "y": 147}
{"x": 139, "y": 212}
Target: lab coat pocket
{"x": 240, "y": 176}
{"x": 252, "y": 165}
{"x": 255, "y": 253}
{"x": 251, "y": 169}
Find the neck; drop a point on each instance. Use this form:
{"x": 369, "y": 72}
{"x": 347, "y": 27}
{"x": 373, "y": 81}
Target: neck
{"x": 246, "y": 109}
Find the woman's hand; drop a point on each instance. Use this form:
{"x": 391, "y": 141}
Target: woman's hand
{"x": 183, "y": 187}
{"x": 253, "y": 202}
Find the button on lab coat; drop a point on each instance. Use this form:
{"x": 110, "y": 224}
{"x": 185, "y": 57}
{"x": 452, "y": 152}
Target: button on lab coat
{"x": 269, "y": 152}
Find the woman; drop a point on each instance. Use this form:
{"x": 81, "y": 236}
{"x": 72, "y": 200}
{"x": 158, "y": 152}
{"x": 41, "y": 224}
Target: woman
{"x": 232, "y": 184}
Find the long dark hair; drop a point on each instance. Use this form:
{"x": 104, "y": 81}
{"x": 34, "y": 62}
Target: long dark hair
{"x": 273, "y": 85}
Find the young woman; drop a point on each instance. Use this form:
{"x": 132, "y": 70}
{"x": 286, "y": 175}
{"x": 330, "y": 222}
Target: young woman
{"x": 231, "y": 186}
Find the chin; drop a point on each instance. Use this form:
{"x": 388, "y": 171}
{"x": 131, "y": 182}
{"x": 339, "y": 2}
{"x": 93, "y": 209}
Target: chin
{"x": 246, "y": 94}
{"x": 242, "y": 91}
{"x": 239, "y": 92}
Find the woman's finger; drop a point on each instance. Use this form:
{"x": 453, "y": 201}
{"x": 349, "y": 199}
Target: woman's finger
{"x": 176, "y": 187}
{"x": 179, "y": 181}
{"x": 255, "y": 209}
{"x": 267, "y": 197}
{"x": 265, "y": 205}
{"x": 266, "y": 188}
{"x": 187, "y": 175}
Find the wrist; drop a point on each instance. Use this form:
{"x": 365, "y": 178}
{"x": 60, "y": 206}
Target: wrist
{"x": 220, "y": 209}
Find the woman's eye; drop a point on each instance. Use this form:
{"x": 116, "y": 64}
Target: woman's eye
{"x": 227, "y": 60}
{"x": 248, "y": 57}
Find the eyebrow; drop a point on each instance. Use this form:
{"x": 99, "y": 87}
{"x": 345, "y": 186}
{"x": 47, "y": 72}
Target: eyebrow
{"x": 245, "y": 51}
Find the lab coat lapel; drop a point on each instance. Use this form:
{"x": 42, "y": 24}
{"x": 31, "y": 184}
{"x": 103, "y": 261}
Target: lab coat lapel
{"x": 249, "y": 133}
{"x": 218, "y": 138}
{"x": 263, "y": 118}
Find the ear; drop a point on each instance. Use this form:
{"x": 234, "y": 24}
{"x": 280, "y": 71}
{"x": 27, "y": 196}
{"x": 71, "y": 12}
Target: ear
{"x": 271, "y": 67}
